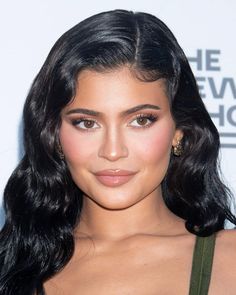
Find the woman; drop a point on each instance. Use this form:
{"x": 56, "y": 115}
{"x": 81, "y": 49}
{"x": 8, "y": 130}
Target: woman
{"x": 119, "y": 184}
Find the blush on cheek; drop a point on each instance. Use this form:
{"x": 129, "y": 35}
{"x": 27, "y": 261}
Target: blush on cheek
{"x": 164, "y": 139}
{"x": 73, "y": 147}
{"x": 156, "y": 152}
{"x": 156, "y": 156}
{"x": 157, "y": 144}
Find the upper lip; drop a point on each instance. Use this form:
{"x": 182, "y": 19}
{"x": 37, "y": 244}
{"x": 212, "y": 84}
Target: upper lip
{"x": 114, "y": 172}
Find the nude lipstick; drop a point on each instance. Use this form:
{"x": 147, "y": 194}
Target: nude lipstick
{"x": 114, "y": 177}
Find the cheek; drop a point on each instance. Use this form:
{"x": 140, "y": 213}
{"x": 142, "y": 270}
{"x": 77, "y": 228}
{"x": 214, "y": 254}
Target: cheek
{"x": 154, "y": 148}
{"x": 76, "y": 150}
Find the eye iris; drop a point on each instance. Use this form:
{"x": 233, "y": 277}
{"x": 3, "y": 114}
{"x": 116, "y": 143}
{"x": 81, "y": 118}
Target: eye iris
{"x": 88, "y": 124}
{"x": 142, "y": 121}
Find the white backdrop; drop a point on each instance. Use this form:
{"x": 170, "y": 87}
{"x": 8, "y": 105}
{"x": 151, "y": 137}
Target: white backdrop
{"x": 205, "y": 29}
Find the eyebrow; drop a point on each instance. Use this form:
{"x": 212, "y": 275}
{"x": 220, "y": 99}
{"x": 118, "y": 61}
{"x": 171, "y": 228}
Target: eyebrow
{"x": 123, "y": 113}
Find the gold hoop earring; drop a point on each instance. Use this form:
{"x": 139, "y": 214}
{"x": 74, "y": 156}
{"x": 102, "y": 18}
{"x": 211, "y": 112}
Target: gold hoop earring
{"x": 178, "y": 149}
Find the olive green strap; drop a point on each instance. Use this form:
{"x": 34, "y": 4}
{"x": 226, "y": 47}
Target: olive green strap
{"x": 202, "y": 265}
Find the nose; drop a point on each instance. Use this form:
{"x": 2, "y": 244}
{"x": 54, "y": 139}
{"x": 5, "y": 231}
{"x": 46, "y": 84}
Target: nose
{"x": 113, "y": 146}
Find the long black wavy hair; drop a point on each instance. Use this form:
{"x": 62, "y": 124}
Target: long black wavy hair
{"x": 41, "y": 201}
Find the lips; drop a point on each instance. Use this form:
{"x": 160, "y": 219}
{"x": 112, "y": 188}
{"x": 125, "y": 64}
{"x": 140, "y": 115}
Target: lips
{"x": 114, "y": 172}
{"x": 114, "y": 177}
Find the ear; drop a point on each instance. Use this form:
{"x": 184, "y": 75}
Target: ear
{"x": 178, "y": 135}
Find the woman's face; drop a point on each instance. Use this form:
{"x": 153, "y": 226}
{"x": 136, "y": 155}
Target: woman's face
{"x": 117, "y": 122}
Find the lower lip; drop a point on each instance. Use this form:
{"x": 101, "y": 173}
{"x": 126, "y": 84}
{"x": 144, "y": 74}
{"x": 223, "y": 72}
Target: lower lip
{"x": 113, "y": 181}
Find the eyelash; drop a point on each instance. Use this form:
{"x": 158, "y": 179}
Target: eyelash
{"x": 151, "y": 117}
{"x": 76, "y": 122}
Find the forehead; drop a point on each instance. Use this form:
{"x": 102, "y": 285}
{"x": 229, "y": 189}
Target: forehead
{"x": 118, "y": 88}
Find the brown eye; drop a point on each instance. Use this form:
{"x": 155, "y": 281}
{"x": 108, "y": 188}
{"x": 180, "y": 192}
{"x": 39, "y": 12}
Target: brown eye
{"x": 85, "y": 124}
{"x": 88, "y": 123}
{"x": 142, "y": 121}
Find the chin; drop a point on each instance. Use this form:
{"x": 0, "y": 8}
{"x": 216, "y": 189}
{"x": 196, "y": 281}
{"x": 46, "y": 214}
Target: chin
{"x": 115, "y": 203}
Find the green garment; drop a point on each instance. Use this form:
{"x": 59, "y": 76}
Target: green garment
{"x": 202, "y": 265}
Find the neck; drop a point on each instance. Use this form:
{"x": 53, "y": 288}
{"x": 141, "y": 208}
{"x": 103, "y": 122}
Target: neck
{"x": 149, "y": 216}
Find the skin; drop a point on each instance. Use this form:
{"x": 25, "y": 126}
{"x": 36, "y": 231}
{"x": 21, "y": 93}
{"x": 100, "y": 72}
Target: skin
{"x": 127, "y": 241}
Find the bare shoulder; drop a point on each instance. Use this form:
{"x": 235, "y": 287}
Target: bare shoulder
{"x": 226, "y": 240}
{"x": 226, "y": 246}
{"x": 224, "y": 264}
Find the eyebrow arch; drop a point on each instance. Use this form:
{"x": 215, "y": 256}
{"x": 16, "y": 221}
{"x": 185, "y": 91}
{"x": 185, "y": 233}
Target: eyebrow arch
{"x": 84, "y": 111}
{"x": 123, "y": 114}
{"x": 138, "y": 108}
